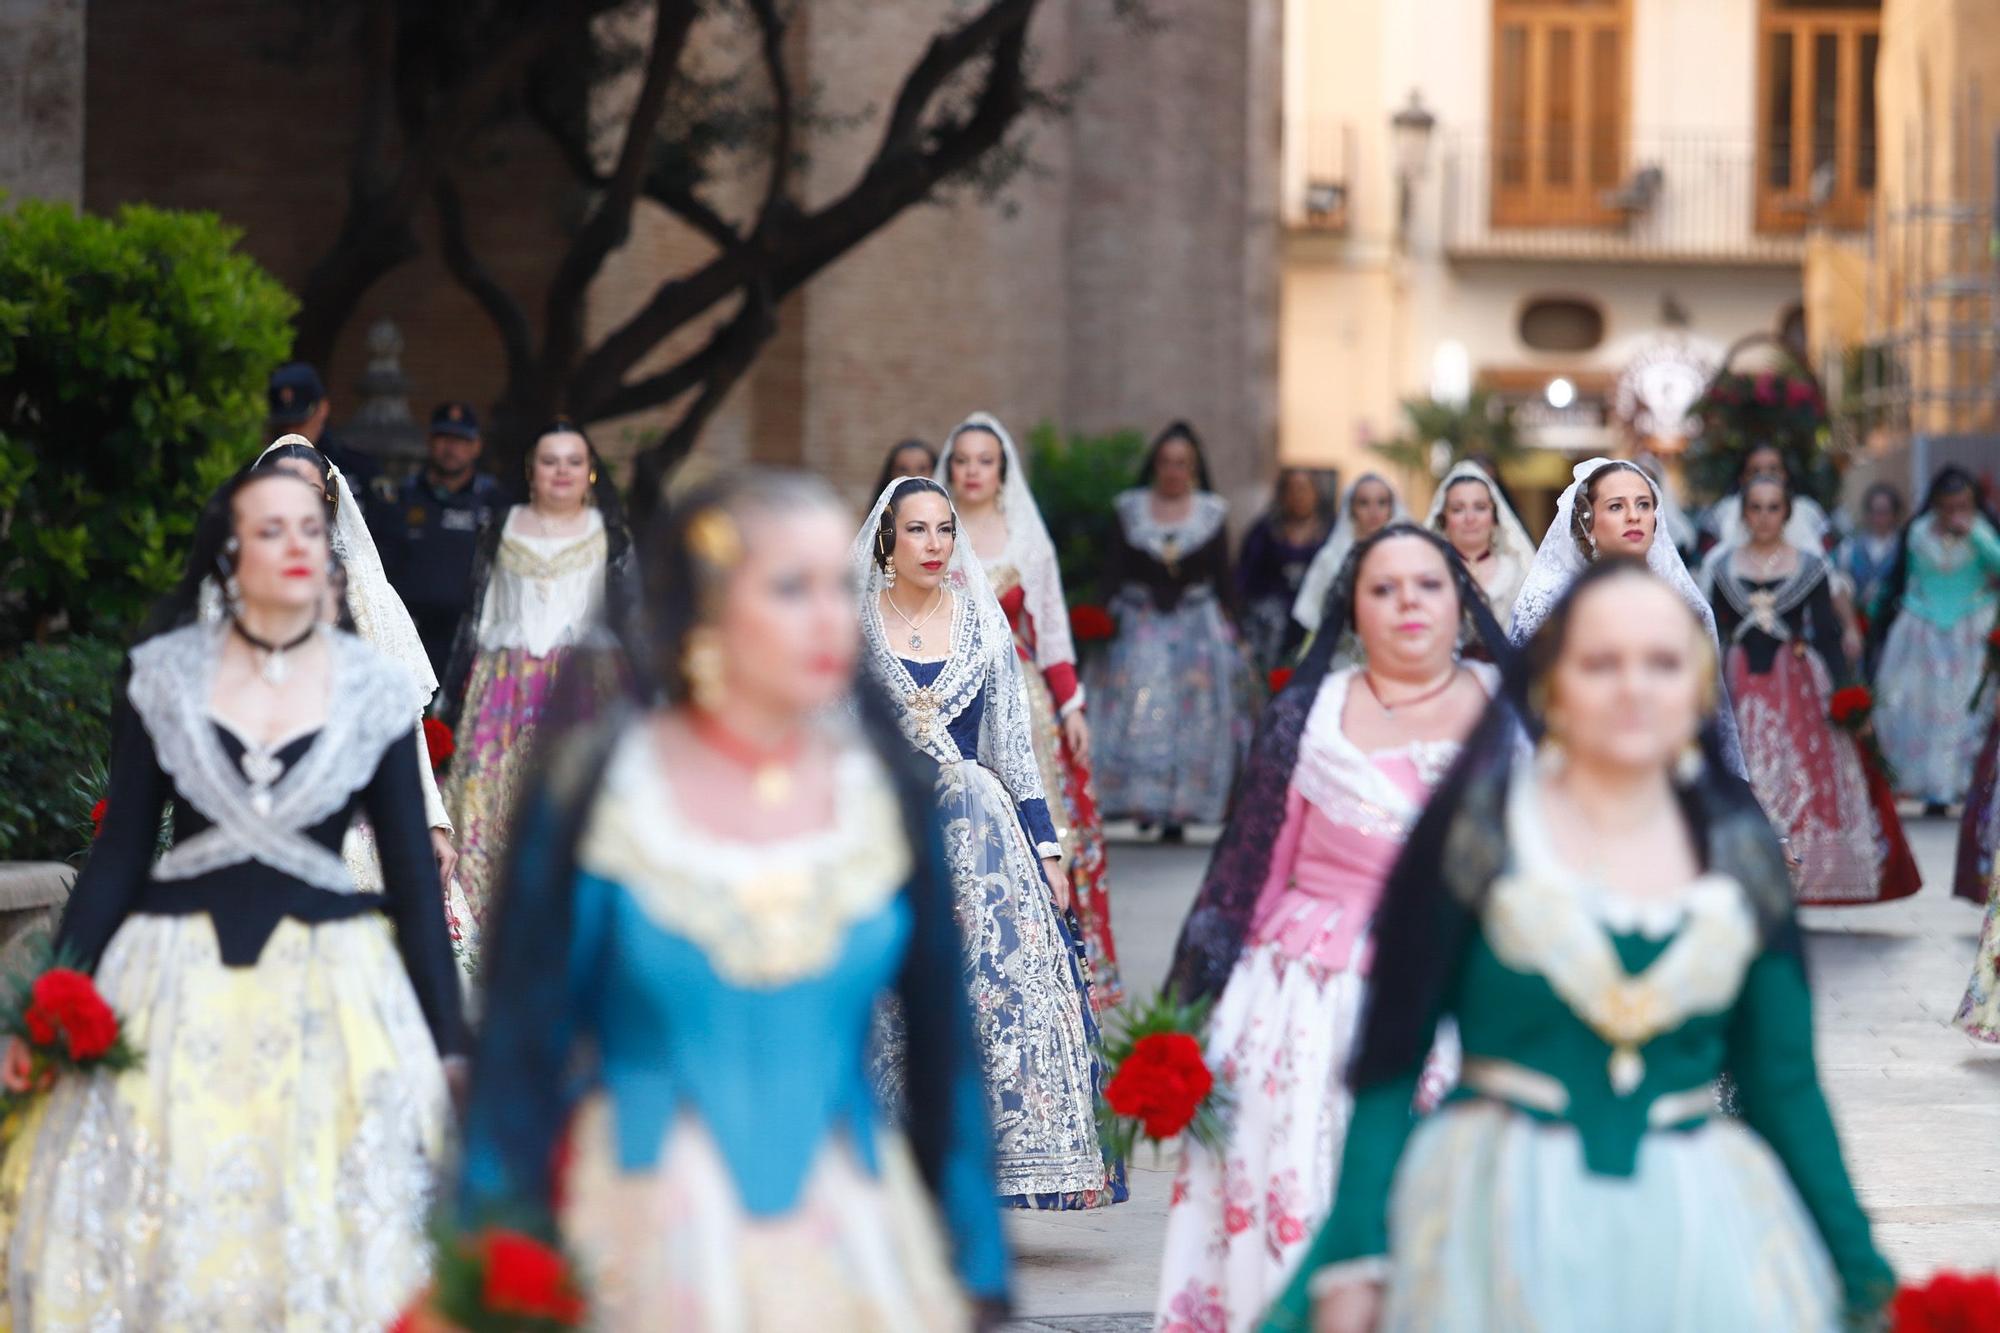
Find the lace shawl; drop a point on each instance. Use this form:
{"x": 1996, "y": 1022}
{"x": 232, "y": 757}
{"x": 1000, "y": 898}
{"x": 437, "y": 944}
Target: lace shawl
{"x": 1763, "y": 609}
{"x": 1168, "y": 542}
{"x": 367, "y": 711}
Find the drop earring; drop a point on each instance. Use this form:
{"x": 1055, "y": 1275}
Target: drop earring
{"x": 701, "y": 663}
{"x": 1688, "y": 767}
{"x": 889, "y": 572}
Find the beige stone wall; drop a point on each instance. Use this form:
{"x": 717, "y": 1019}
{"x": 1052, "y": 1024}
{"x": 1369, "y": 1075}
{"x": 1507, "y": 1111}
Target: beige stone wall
{"x": 41, "y": 99}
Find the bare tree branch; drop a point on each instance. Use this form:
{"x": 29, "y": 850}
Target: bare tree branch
{"x": 516, "y": 337}
{"x": 777, "y": 191}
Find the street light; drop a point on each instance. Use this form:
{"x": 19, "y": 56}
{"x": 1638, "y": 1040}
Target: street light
{"x": 1411, "y": 128}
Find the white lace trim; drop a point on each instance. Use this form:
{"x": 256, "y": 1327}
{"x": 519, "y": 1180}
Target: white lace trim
{"x": 367, "y": 711}
{"x": 1170, "y": 541}
{"x": 764, "y": 915}
{"x": 1544, "y": 918}
{"x": 543, "y": 591}
{"x": 1344, "y": 782}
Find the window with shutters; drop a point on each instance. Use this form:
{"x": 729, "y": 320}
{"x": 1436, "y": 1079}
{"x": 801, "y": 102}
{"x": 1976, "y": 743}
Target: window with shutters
{"x": 1561, "y": 70}
{"x": 1816, "y": 142}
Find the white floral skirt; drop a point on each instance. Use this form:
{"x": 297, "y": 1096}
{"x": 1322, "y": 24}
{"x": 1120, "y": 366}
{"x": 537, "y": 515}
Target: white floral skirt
{"x": 673, "y": 1248}
{"x": 1924, "y": 718}
{"x": 1498, "y": 1227}
{"x": 1280, "y": 1038}
{"x": 270, "y": 1164}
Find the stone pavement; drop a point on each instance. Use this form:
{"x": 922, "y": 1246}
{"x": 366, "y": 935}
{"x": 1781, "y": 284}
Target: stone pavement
{"x": 1918, "y": 1103}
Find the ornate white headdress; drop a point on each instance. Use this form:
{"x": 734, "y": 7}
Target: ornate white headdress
{"x": 1510, "y": 539}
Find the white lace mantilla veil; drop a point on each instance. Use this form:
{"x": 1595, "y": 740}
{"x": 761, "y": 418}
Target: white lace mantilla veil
{"x": 1325, "y": 566}
{"x": 1510, "y": 539}
{"x": 1030, "y": 550}
{"x": 982, "y": 657}
{"x": 1558, "y": 562}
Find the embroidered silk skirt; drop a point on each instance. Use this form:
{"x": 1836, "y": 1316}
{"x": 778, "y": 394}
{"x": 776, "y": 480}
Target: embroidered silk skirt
{"x": 1924, "y": 715}
{"x": 1816, "y": 785}
{"x": 1979, "y": 825}
{"x": 267, "y": 1167}
{"x": 504, "y": 701}
{"x": 674, "y": 1248}
{"x": 1498, "y": 1227}
{"x": 1028, "y": 1002}
{"x": 1173, "y": 699}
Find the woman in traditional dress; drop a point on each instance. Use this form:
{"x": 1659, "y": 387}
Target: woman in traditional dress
{"x": 911, "y": 458}
{"x": 1370, "y": 505}
{"x": 1174, "y": 691}
{"x": 1612, "y": 507}
{"x": 551, "y": 575}
{"x": 269, "y": 1162}
{"x": 1867, "y": 556}
{"x": 1931, "y": 620}
{"x": 1611, "y": 927}
{"x": 1725, "y": 524}
{"x": 383, "y": 623}
{"x": 1276, "y": 552}
{"x": 1774, "y": 609}
{"x": 1342, "y": 765}
{"x": 1003, "y": 526}
{"x": 1481, "y": 526}
{"x": 937, "y": 641}
{"x": 702, "y": 907}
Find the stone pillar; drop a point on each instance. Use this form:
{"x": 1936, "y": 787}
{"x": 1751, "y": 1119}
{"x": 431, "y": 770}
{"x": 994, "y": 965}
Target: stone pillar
{"x": 382, "y": 424}
{"x": 41, "y": 99}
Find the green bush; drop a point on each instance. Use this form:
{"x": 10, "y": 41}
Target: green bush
{"x": 55, "y": 728}
{"x": 133, "y": 357}
{"x": 1074, "y": 481}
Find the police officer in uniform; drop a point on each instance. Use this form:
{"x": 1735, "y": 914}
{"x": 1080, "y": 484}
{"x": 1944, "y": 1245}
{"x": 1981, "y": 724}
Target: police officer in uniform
{"x": 299, "y": 406}
{"x": 430, "y": 536}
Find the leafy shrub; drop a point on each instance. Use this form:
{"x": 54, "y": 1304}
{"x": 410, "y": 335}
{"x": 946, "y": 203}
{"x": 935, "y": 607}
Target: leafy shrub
{"x": 133, "y": 357}
{"x": 1074, "y": 481}
{"x": 55, "y": 726}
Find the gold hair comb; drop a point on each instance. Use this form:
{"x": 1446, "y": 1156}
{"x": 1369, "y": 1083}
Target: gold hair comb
{"x": 712, "y": 536}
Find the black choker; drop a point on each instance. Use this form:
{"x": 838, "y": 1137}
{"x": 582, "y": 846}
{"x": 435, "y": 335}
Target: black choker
{"x": 273, "y": 669}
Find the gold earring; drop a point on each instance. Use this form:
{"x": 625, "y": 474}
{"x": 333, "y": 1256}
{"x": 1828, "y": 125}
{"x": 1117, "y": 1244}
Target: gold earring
{"x": 1688, "y": 767}
{"x": 701, "y": 663}
{"x": 889, "y": 572}
{"x": 593, "y": 476}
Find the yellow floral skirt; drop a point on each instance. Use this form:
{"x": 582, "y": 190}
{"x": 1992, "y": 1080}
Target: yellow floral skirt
{"x": 268, "y": 1166}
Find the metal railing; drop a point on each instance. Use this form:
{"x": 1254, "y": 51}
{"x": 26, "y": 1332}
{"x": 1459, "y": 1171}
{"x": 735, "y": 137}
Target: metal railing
{"x": 1668, "y": 199}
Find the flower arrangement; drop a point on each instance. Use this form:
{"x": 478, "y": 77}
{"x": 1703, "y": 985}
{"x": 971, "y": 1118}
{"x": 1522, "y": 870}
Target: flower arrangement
{"x": 440, "y": 742}
{"x": 1090, "y": 624}
{"x": 1160, "y": 1084}
{"x": 1948, "y": 1303}
{"x": 497, "y": 1281}
{"x": 62, "y": 1026}
{"x": 1744, "y": 409}
{"x": 1852, "y": 709}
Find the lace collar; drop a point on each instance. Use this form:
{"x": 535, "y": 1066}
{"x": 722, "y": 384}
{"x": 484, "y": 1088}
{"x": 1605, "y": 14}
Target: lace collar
{"x": 1764, "y": 609}
{"x": 764, "y": 915}
{"x": 926, "y": 712}
{"x": 1546, "y": 919}
{"x": 1347, "y": 785}
{"x": 543, "y": 558}
{"x": 1168, "y": 542}
{"x": 367, "y": 710}
{"x": 1944, "y": 554}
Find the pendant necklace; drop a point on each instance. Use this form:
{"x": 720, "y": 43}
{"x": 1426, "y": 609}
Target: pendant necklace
{"x": 916, "y": 626}
{"x": 771, "y": 768}
{"x": 273, "y": 669}
{"x": 1368, "y": 677}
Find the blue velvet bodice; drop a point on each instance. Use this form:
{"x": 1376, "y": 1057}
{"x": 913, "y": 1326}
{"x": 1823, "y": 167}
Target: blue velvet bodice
{"x": 1035, "y": 819}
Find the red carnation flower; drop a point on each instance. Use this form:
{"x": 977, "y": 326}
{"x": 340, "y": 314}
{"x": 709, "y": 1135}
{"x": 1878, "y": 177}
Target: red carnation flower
{"x": 1162, "y": 1083}
{"x": 1993, "y": 637}
{"x": 1280, "y": 678}
{"x": 1090, "y": 624}
{"x": 439, "y": 741}
{"x": 1851, "y": 703}
{"x": 1948, "y": 1303}
{"x": 525, "y": 1277}
{"x": 97, "y": 813}
{"x": 66, "y": 1003}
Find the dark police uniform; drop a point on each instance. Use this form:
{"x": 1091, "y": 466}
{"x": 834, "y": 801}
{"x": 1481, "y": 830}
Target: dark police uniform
{"x": 435, "y": 535}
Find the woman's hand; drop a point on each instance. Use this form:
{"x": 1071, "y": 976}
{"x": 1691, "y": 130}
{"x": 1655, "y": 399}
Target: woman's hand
{"x": 1052, "y": 871}
{"x": 1351, "y": 1307}
{"x": 1076, "y": 734}
{"x": 17, "y": 1067}
{"x": 446, "y": 855}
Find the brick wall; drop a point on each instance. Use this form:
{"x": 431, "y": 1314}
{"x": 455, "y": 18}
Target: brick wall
{"x": 41, "y": 98}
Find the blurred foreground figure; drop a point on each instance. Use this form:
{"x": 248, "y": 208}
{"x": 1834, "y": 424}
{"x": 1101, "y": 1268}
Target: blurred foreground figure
{"x": 1611, "y": 927}
{"x": 938, "y": 646}
{"x": 270, "y": 1162}
{"x": 989, "y": 488}
{"x": 550, "y": 576}
{"x": 702, "y": 908}
{"x": 1342, "y": 765}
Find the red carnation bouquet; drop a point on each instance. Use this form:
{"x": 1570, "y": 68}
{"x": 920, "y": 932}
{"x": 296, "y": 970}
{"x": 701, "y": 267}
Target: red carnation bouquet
{"x": 498, "y": 1281}
{"x": 1948, "y": 1303}
{"x": 1090, "y": 624}
{"x": 1279, "y": 679}
{"x": 64, "y": 1026}
{"x": 1160, "y": 1084}
{"x": 439, "y": 740}
{"x": 1852, "y": 709}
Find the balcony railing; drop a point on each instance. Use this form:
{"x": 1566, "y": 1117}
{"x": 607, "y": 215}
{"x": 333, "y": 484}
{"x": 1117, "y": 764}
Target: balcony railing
{"x": 1679, "y": 199}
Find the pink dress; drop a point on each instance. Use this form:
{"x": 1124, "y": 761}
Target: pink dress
{"x": 1283, "y": 1030}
